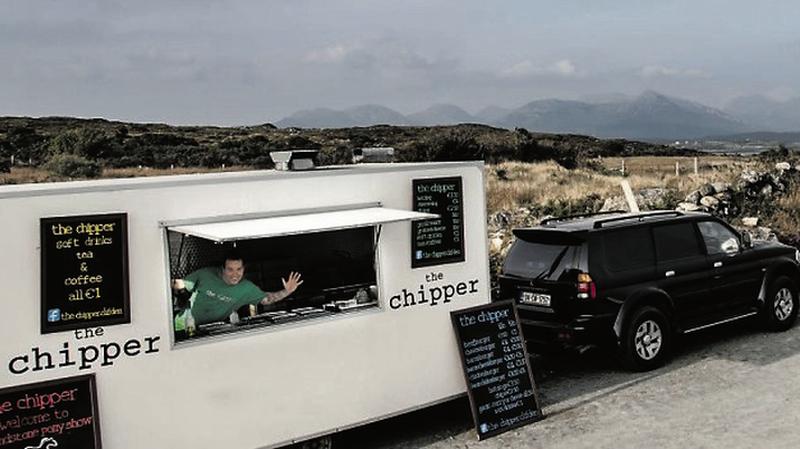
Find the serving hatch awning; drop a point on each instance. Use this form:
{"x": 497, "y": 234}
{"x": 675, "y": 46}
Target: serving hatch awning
{"x": 257, "y": 228}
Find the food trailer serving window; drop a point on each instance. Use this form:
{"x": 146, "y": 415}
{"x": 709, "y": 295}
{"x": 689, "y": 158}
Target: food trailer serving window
{"x": 222, "y": 271}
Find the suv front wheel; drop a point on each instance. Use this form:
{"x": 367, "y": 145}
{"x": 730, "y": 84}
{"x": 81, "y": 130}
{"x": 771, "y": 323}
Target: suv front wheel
{"x": 780, "y": 309}
{"x": 646, "y": 339}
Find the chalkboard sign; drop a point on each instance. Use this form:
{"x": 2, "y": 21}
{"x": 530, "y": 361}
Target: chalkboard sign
{"x": 496, "y": 367}
{"x": 440, "y": 240}
{"x": 84, "y": 271}
{"x": 60, "y": 413}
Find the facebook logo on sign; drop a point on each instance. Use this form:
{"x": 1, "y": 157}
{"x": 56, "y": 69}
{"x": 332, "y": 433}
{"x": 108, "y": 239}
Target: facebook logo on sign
{"x": 53, "y": 315}
{"x": 419, "y": 254}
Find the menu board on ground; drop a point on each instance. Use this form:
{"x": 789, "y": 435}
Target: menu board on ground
{"x": 84, "y": 271}
{"x": 60, "y": 413}
{"x": 501, "y": 389}
{"x": 440, "y": 240}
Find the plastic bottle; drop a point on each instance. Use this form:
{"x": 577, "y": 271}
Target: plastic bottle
{"x": 190, "y": 325}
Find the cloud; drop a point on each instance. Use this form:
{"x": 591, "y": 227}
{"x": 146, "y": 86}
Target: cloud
{"x": 525, "y": 69}
{"x": 383, "y": 57}
{"x": 782, "y": 93}
{"x": 563, "y": 67}
{"x": 655, "y": 71}
{"x": 333, "y": 54}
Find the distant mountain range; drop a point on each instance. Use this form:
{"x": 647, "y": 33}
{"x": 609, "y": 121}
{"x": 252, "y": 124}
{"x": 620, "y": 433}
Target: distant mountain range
{"x": 649, "y": 116}
{"x": 766, "y": 114}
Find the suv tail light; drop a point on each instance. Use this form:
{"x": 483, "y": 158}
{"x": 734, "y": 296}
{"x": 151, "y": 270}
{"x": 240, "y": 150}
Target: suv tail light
{"x": 586, "y": 287}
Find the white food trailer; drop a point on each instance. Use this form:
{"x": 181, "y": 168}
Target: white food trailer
{"x": 386, "y": 251}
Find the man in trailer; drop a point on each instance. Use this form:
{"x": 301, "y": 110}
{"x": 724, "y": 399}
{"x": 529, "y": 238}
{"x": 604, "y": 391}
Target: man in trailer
{"x": 217, "y": 292}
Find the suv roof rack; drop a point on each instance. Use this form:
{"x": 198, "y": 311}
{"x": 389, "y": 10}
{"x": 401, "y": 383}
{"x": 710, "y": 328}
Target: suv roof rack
{"x": 577, "y": 216}
{"x": 639, "y": 217}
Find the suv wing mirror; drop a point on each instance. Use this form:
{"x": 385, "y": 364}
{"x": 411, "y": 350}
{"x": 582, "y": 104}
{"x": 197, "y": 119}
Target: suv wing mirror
{"x": 731, "y": 246}
{"x": 747, "y": 240}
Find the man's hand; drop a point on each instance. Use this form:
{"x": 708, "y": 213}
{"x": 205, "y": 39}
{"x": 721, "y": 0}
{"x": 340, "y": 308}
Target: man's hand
{"x": 292, "y": 283}
{"x": 177, "y": 284}
{"x": 289, "y": 286}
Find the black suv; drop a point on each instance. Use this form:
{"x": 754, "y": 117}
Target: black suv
{"x": 635, "y": 280}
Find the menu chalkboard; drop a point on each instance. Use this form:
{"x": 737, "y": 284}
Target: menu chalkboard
{"x": 440, "y": 240}
{"x": 84, "y": 271}
{"x": 496, "y": 367}
{"x": 60, "y": 413}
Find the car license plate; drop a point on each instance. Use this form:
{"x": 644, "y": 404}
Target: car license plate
{"x": 536, "y": 299}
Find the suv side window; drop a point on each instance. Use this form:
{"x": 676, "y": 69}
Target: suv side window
{"x": 718, "y": 238}
{"x": 676, "y": 241}
{"x": 628, "y": 249}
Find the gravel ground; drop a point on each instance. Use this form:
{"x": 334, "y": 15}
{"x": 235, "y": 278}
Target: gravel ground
{"x": 730, "y": 387}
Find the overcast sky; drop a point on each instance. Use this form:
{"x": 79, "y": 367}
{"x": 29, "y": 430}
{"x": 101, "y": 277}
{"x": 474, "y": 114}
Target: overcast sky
{"x": 255, "y": 61}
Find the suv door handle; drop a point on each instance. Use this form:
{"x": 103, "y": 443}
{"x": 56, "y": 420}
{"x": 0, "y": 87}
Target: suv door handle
{"x": 670, "y": 273}
{"x": 717, "y": 264}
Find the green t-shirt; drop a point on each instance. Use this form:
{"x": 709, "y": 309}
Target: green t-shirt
{"x": 213, "y": 299}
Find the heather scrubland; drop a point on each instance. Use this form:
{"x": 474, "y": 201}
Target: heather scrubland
{"x": 60, "y": 148}
{"x": 529, "y": 175}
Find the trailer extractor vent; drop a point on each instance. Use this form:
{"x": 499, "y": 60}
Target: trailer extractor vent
{"x": 294, "y": 159}
{"x": 373, "y": 154}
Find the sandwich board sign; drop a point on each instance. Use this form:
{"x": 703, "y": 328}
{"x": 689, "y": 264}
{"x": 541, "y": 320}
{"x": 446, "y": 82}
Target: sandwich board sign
{"x": 500, "y": 386}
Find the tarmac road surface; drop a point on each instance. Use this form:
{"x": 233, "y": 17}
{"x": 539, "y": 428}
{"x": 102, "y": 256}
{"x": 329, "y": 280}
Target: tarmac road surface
{"x": 734, "y": 386}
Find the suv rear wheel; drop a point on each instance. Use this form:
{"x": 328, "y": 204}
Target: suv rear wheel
{"x": 780, "y": 309}
{"x": 646, "y": 339}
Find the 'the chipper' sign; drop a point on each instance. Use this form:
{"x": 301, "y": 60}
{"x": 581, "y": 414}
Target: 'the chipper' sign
{"x": 60, "y": 413}
{"x": 84, "y": 271}
{"x": 440, "y": 240}
{"x": 496, "y": 367}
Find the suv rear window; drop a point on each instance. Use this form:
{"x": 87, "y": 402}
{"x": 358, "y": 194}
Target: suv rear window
{"x": 629, "y": 248}
{"x": 537, "y": 260}
{"x": 676, "y": 241}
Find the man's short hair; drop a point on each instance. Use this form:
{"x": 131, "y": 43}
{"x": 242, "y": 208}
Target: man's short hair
{"x": 232, "y": 255}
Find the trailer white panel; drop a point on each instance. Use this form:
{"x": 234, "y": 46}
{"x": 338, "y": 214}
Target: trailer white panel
{"x": 271, "y": 385}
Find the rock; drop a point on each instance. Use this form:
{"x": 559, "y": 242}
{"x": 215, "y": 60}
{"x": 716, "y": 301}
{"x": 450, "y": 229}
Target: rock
{"x": 721, "y": 187}
{"x": 709, "y": 201}
{"x": 766, "y": 190}
{"x": 647, "y": 199}
{"x": 614, "y": 203}
{"x": 749, "y": 176}
{"x": 542, "y": 219}
{"x": 783, "y": 166}
{"x": 693, "y": 197}
{"x": 689, "y": 207}
{"x": 723, "y": 197}
{"x": 750, "y": 222}
{"x": 502, "y": 219}
{"x": 496, "y": 244}
{"x": 502, "y": 174}
{"x": 763, "y": 233}
{"x": 707, "y": 190}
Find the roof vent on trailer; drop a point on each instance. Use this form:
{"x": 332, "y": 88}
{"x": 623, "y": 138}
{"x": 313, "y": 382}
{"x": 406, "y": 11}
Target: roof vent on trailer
{"x": 294, "y": 159}
{"x": 373, "y": 154}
